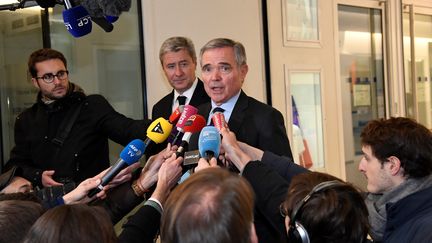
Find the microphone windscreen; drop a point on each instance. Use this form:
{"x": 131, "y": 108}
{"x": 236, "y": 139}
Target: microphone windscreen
{"x": 188, "y": 111}
{"x": 194, "y": 124}
{"x": 159, "y": 130}
{"x": 209, "y": 141}
{"x": 111, "y": 18}
{"x": 174, "y": 117}
{"x": 133, "y": 151}
{"x": 77, "y": 21}
{"x": 218, "y": 120}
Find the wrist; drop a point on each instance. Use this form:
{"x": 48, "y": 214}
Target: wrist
{"x": 138, "y": 189}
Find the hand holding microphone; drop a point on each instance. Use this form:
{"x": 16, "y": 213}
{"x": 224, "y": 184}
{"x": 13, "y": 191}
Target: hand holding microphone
{"x": 157, "y": 132}
{"x": 129, "y": 155}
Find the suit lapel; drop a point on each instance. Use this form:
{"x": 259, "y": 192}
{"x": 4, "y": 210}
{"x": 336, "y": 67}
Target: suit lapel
{"x": 199, "y": 96}
{"x": 238, "y": 113}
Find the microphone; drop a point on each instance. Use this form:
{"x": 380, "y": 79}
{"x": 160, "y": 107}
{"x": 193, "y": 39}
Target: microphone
{"x": 157, "y": 132}
{"x": 188, "y": 111}
{"x": 103, "y": 23}
{"x": 76, "y": 19}
{"x": 209, "y": 142}
{"x": 194, "y": 124}
{"x": 175, "y": 116}
{"x": 130, "y": 154}
{"x": 218, "y": 120}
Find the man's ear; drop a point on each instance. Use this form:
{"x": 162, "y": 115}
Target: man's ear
{"x": 394, "y": 165}
{"x": 35, "y": 83}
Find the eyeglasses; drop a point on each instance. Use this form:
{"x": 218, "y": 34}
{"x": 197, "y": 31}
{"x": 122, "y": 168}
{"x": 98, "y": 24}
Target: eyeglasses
{"x": 49, "y": 77}
{"x": 283, "y": 212}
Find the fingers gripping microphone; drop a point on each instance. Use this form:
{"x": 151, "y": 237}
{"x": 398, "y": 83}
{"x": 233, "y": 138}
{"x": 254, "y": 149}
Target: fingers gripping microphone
{"x": 76, "y": 19}
{"x": 194, "y": 124}
{"x": 157, "y": 132}
{"x": 177, "y": 133}
{"x": 130, "y": 154}
{"x": 209, "y": 142}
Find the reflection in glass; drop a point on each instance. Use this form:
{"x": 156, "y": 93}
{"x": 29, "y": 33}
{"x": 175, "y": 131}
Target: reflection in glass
{"x": 361, "y": 73}
{"x": 307, "y": 142}
{"x": 302, "y": 20}
{"x": 418, "y": 87}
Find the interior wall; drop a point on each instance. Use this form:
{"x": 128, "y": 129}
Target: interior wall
{"x": 201, "y": 21}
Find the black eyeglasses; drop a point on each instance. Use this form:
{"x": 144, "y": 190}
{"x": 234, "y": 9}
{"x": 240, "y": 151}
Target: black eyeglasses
{"x": 49, "y": 77}
{"x": 283, "y": 212}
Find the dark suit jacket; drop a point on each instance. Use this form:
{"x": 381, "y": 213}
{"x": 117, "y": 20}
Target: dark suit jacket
{"x": 270, "y": 191}
{"x": 142, "y": 227}
{"x": 163, "y": 108}
{"x": 254, "y": 123}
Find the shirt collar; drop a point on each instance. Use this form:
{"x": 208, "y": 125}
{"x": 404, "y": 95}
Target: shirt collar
{"x": 188, "y": 93}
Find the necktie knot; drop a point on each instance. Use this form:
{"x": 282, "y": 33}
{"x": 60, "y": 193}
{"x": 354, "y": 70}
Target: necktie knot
{"x": 218, "y": 109}
{"x": 181, "y": 100}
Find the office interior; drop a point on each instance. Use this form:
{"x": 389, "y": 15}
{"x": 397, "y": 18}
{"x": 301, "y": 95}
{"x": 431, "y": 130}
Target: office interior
{"x": 329, "y": 66}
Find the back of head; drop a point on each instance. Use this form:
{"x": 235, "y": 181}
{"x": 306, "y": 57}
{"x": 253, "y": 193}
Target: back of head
{"x": 16, "y": 218}
{"x": 213, "y": 205}
{"x": 403, "y": 138}
{"x": 41, "y": 55}
{"x": 175, "y": 44}
{"x": 335, "y": 211}
{"x": 72, "y": 223}
{"x": 239, "y": 50}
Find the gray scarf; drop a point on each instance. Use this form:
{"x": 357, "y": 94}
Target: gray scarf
{"x": 376, "y": 203}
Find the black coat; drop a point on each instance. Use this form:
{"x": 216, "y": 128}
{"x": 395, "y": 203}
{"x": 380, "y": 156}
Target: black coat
{"x": 84, "y": 152}
{"x": 270, "y": 191}
{"x": 163, "y": 108}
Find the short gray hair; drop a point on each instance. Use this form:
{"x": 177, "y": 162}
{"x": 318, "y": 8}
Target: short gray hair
{"x": 175, "y": 44}
{"x": 239, "y": 50}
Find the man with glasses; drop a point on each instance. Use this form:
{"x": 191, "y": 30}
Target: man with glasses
{"x": 63, "y": 137}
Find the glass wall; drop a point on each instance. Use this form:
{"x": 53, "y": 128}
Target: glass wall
{"x": 361, "y": 72}
{"x": 100, "y": 62}
{"x": 418, "y": 88}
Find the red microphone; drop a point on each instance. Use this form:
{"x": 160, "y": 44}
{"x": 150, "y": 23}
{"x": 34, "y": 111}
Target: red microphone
{"x": 175, "y": 116}
{"x": 194, "y": 124}
{"x": 188, "y": 111}
{"x": 218, "y": 120}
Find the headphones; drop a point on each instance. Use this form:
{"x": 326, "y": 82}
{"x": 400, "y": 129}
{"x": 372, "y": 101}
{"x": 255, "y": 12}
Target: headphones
{"x": 297, "y": 233}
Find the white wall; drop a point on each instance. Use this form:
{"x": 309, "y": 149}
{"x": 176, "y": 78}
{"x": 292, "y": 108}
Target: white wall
{"x": 202, "y": 20}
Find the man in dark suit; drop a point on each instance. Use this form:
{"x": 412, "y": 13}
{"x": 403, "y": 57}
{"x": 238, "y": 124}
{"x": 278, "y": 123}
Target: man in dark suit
{"x": 178, "y": 59}
{"x": 224, "y": 68}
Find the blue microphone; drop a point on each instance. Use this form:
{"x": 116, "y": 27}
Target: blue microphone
{"x": 77, "y": 20}
{"x": 209, "y": 142}
{"x": 130, "y": 154}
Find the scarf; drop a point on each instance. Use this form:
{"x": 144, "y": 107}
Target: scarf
{"x": 376, "y": 203}
{"x": 72, "y": 88}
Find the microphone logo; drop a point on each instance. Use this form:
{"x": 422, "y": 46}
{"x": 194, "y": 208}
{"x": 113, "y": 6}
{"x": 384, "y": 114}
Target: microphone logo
{"x": 134, "y": 151}
{"x": 158, "y": 129}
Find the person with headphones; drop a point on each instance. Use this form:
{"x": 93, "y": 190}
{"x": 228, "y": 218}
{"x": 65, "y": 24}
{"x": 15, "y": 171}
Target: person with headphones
{"x": 292, "y": 192}
{"x": 322, "y": 208}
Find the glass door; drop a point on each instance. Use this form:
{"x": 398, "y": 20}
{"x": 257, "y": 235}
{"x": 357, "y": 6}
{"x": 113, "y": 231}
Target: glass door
{"x": 361, "y": 70}
{"x": 417, "y": 44}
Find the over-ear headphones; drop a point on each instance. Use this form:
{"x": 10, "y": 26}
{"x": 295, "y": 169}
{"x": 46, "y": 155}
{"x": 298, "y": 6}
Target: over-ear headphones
{"x": 297, "y": 233}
